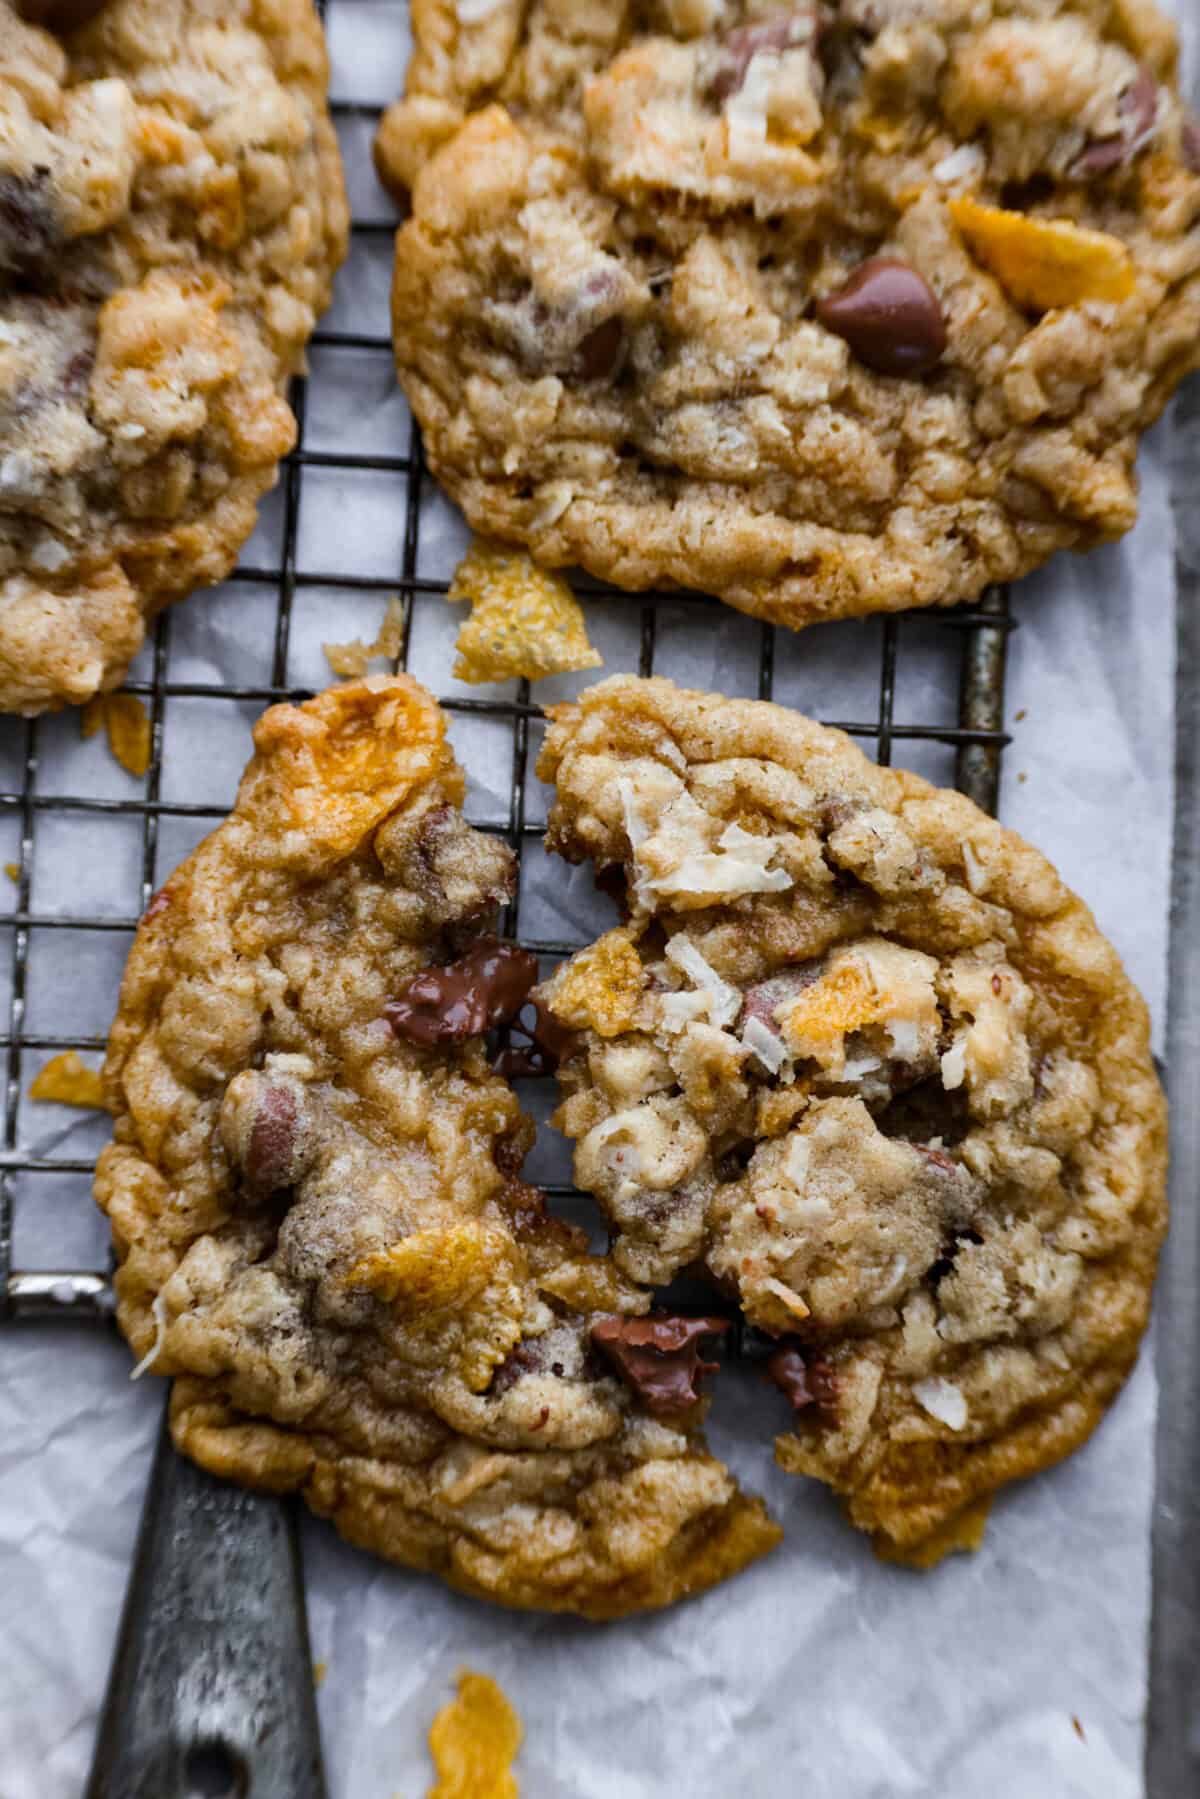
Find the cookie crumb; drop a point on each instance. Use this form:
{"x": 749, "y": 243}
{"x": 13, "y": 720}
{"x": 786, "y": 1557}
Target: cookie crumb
{"x": 13, "y": 871}
{"x": 320, "y": 1670}
{"x": 525, "y": 621}
{"x": 473, "y": 1741}
{"x": 127, "y": 726}
{"x": 351, "y": 660}
{"x": 1077, "y": 1727}
{"x": 68, "y": 1081}
{"x": 1018, "y": 716}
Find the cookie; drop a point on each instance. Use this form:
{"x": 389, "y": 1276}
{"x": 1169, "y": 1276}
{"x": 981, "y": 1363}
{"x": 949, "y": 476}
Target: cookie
{"x": 317, "y": 1209}
{"x": 171, "y": 215}
{"x": 860, "y": 1055}
{"x": 826, "y": 309}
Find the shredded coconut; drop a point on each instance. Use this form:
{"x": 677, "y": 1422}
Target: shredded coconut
{"x": 954, "y": 1063}
{"x": 799, "y": 1156}
{"x": 962, "y": 164}
{"x": 763, "y": 1043}
{"x": 159, "y": 1308}
{"x": 49, "y": 553}
{"x": 942, "y": 1400}
{"x": 472, "y": 12}
{"x": 858, "y": 1066}
{"x": 636, "y": 828}
{"x": 726, "y": 1001}
{"x": 905, "y": 1037}
{"x": 746, "y": 110}
{"x": 975, "y": 871}
{"x": 785, "y": 1295}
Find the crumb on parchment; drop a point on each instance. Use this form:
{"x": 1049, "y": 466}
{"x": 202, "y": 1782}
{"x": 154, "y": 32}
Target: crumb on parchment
{"x": 67, "y": 1080}
{"x": 524, "y": 621}
{"x": 351, "y": 660}
{"x": 126, "y": 725}
{"x": 473, "y": 1741}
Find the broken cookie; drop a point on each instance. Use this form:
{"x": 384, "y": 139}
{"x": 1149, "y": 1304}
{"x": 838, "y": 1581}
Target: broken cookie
{"x": 859, "y": 1055}
{"x": 315, "y": 1197}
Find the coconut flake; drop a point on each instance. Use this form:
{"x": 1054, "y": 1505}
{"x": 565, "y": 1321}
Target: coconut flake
{"x": 954, "y": 1063}
{"x": 856, "y": 1067}
{"x": 904, "y": 1036}
{"x": 796, "y": 1162}
{"x": 763, "y": 1043}
{"x": 158, "y": 1307}
{"x": 960, "y": 165}
{"x": 472, "y": 12}
{"x": 678, "y": 1010}
{"x": 726, "y": 1001}
{"x": 49, "y": 554}
{"x": 636, "y": 828}
{"x": 785, "y": 1295}
{"x": 942, "y": 1400}
{"x": 977, "y": 875}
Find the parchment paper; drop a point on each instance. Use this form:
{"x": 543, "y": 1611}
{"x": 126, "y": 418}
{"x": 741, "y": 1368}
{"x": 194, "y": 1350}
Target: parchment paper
{"x": 1020, "y": 1670}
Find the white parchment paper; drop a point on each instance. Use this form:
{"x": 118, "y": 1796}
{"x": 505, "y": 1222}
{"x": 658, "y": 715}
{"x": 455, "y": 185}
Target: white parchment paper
{"x": 1020, "y": 1670}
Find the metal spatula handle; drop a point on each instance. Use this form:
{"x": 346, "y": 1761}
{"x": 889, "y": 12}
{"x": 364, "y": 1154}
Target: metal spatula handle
{"x": 211, "y": 1690}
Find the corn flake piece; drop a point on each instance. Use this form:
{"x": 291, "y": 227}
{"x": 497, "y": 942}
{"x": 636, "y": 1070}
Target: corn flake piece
{"x": 844, "y": 1000}
{"x": 432, "y": 1270}
{"x": 524, "y": 620}
{"x": 127, "y": 725}
{"x": 473, "y": 1741}
{"x": 68, "y": 1081}
{"x": 1043, "y": 263}
{"x": 351, "y": 660}
{"x": 13, "y": 871}
{"x": 600, "y": 987}
{"x": 961, "y": 1534}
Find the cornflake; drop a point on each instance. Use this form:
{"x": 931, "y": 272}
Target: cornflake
{"x": 525, "y": 621}
{"x": 126, "y": 724}
{"x": 473, "y": 1741}
{"x": 599, "y": 988}
{"x": 68, "y": 1081}
{"x": 1044, "y": 263}
{"x": 351, "y": 660}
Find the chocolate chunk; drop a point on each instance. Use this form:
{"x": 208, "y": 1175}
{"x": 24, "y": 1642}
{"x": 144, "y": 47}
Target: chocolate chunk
{"x": 59, "y": 15}
{"x": 29, "y": 230}
{"x": 1138, "y": 108}
{"x": 483, "y": 989}
{"x": 274, "y": 1155}
{"x": 1190, "y": 145}
{"x": 547, "y": 1043}
{"x": 601, "y": 351}
{"x": 889, "y": 316}
{"x": 761, "y": 1000}
{"x": 531, "y": 1356}
{"x": 786, "y": 31}
{"x": 659, "y": 1356}
{"x": 803, "y": 1379}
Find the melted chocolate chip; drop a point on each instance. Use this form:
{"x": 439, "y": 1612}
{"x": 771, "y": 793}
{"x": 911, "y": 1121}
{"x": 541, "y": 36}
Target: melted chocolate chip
{"x": 804, "y": 1380}
{"x": 29, "y": 231}
{"x": 273, "y": 1151}
{"x": 742, "y": 45}
{"x": 547, "y": 1043}
{"x": 483, "y": 989}
{"x": 1138, "y": 109}
{"x": 59, "y": 15}
{"x": 659, "y": 1356}
{"x": 600, "y": 353}
{"x": 889, "y": 316}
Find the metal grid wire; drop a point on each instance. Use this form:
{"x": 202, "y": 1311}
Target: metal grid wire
{"x": 977, "y": 739}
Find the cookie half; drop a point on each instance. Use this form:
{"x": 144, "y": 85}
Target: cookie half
{"x": 826, "y": 309}
{"x": 317, "y": 1209}
{"x": 861, "y": 1057}
{"x": 171, "y": 215}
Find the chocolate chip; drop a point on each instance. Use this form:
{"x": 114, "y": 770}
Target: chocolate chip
{"x": 1190, "y": 145}
{"x": 483, "y": 989}
{"x": 889, "y": 316}
{"x": 29, "y": 230}
{"x": 739, "y": 48}
{"x": 548, "y": 1042}
{"x": 659, "y": 1356}
{"x": 803, "y": 1379}
{"x": 274, "y": 1154}
{"x": 601, "y": 351}
{"x": 59, "y": 15}
{"x": 1138, "y": 109}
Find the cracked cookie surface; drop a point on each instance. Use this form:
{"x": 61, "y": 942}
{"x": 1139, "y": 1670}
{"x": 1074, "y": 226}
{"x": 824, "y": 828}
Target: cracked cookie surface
{"x": 860, "y": 1055}
{"x": 317, "y": 1212}
{"x": 827, "y": 309}
{"x": 171, "y": 215}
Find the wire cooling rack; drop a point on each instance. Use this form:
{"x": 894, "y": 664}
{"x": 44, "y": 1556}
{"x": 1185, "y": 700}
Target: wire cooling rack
{"x": 56, "y": 803}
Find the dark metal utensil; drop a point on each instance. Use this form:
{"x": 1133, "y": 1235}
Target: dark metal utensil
{"x": 211, "y": 1691}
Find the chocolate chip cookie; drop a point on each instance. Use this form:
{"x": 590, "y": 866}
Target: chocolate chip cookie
{"x": 171, "y": 214}
{"x": 825, "y": 308}
{"x": 316, "y": 1203}
{"x": 859, "y": 1054}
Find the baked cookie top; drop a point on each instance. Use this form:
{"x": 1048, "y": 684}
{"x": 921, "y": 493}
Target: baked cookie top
{"x": 316, "y": 1206}
{"x": 859, "y": 1054}
{"x": 171, "y": 214}
{"x": 828, "y": 309}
